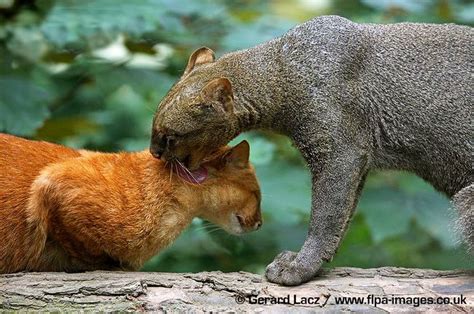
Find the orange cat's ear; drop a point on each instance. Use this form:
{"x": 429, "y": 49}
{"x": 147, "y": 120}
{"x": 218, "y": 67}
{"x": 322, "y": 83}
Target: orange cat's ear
{"x": 200, "y": 56}
{"x": 219, "y": 89}
{"x": 238, "y": 156}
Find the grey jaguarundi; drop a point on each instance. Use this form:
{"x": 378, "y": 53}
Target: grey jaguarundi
{"x": 352, "y": 97}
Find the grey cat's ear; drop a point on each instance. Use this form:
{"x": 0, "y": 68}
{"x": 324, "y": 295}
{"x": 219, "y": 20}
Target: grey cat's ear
{"x": 220, "y": 90}
{"x": 239, "y": 155}
{"x": 200, "y": 56}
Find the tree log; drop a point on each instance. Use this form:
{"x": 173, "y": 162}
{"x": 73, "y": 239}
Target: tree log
{"x": 237, "y": 292}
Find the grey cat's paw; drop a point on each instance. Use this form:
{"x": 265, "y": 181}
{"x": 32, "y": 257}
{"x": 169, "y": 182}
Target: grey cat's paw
{"x": 287, "y": 270}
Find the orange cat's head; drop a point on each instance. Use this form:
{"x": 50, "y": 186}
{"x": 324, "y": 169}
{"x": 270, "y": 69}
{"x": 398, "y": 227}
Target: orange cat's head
{"x": 231, "y": 191}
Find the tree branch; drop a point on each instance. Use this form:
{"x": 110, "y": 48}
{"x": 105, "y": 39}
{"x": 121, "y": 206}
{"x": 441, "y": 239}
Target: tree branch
{"x": 217, "y": 291}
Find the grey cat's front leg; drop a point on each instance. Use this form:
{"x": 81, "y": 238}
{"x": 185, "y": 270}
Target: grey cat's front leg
{"x": 336, "y": 190}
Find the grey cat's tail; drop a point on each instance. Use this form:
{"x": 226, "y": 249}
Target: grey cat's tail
{"x": 463, "y": 202}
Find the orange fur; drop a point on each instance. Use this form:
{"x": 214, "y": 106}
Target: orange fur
{"x": 68, "y": 210}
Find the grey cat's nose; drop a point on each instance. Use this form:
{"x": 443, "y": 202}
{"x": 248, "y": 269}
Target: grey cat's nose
{"x": 156, "y": 151}
{"x": 158, "y": 144}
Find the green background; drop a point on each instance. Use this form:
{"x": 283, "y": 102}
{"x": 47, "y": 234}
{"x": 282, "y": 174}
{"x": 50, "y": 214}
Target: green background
{"x": 90, "y": 74}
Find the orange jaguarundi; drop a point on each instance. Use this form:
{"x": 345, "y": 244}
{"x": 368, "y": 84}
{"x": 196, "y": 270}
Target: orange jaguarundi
{"x": 73, "y": 210}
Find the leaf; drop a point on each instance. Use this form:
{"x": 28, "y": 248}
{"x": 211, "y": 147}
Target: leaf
{"x": 433, "y": 212}
{"x": 56, "y": 129}
{"x": 387, "y": 212}
{"x": 286, "y": 191}
{"x": 261, "y": 149}
{"x": 28, "y": 43}
{"x": 248, "y": 35}
{"x": 391, "y": 200}
{"x": 95, "y": 23}
{"x": 408, "y": 5}
{"x": 466, "y": 13}
{"x": 70, "y": 22}
{"x": 357, "y": 248}
{"x": 23, "y": 106}
{"x": 206, "y": 8}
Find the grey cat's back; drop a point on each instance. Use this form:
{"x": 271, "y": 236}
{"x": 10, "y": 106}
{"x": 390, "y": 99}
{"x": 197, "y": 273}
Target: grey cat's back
{"x": 409, "y": 86}
{"x": 421, "y": 80}
{"x": 424, "y": 64}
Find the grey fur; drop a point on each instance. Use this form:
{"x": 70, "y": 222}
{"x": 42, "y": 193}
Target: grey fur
{"x": 355, "y": 97}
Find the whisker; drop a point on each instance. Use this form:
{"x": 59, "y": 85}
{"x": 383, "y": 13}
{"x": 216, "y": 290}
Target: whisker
{"x": 171, "y": 172}
{"x": 206, "y": 226}
{"x": 190, "y": 174}
{"x": 181, "y": 166}
{"x": 214, "y": 230}
{"x": 208, "y": 229}
{"x": 187, "y": 171}
{"x": 174, "y": 168}
{"x": 204, "y": 223}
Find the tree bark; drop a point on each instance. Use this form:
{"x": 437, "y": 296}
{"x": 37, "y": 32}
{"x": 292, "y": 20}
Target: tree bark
{"x": 217, "y": 291}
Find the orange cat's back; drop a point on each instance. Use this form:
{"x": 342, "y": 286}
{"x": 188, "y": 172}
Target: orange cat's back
{"x": 20, "y": 163}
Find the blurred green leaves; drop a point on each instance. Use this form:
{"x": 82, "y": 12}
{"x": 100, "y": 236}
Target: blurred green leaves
{"x": 90, "y": 23}
{"x": 90, "y": 74}
{"x": 23, "y": 105}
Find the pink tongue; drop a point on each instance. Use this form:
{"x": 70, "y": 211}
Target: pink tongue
{"x": 197, "y": 176}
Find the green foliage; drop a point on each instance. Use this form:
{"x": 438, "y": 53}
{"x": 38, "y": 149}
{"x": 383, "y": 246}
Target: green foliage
{"x": 23, "y": 105}
{"x": 90, "y": 74}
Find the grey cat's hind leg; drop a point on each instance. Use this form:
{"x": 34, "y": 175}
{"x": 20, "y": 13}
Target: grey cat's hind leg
{"x": 463, "y": 202}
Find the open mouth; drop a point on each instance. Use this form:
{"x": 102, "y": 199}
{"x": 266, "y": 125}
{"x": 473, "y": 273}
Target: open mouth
{"x": 197, "y": 176}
